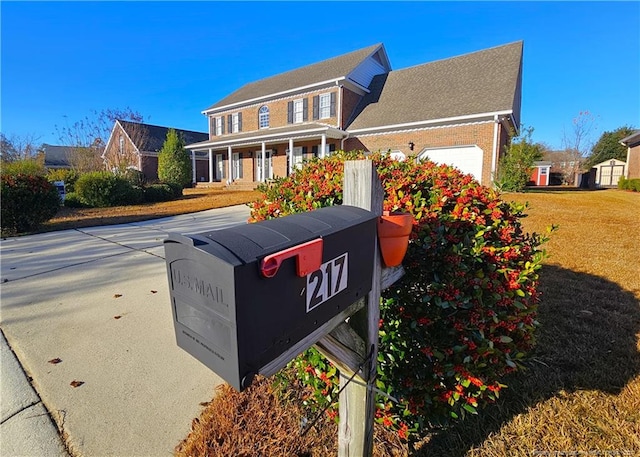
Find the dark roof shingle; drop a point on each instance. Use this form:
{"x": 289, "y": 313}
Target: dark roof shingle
{"x": 480, "y": 82}
{"x": 335, "y": 67}
{"x": 152, "y": 137}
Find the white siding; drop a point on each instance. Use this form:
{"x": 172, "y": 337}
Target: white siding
{"x": 364, "y": 73}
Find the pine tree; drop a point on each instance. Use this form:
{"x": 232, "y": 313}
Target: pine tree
{"x": 174, "y": 165}
{"x": 609, "y": 147}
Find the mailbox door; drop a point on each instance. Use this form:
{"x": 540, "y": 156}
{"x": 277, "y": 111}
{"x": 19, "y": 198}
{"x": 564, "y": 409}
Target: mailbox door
{"x": 203, "y": 307}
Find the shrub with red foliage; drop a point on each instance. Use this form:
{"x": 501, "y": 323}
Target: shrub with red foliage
{"x": 463, "y": 315}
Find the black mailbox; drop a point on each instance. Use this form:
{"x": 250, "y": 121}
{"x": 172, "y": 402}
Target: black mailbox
{"x": 243, "y": 296}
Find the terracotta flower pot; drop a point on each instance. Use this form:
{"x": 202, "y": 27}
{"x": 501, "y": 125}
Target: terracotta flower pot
{"x": 393, "y": 236}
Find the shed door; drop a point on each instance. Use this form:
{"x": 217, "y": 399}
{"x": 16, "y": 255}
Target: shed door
{"x": 467, "y": 159}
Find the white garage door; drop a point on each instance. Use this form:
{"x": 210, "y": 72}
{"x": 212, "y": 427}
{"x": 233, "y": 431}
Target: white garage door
{"x": 467, "y": 159}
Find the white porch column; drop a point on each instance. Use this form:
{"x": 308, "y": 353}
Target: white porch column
{"x": 290, "y": 155}
{"x": 193, "y": 166}
{"x": 230, "y": 175}
{"x": 263, "y": 178}
{"x": 210, "y": 165}
{"x": 323, "y": 145}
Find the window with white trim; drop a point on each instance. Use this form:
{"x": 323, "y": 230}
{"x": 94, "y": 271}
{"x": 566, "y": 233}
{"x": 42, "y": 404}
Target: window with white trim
{"x": 219, "y": 124}
{"x": 263, "y": 117}
{"x": 298, "y": 110}
{"x": 235, "y": 123}
{"x": 325, "y": 106}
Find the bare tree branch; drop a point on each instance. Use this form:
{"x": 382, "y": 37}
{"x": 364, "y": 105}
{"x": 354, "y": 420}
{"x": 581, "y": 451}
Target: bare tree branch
{"x": 19, "y": 147}
{"x": 87, "y": 137}
{"x": 577, "y": 143}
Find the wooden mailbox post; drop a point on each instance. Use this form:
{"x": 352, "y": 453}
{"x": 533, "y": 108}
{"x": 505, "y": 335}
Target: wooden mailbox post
{"x": 349, "y": 345}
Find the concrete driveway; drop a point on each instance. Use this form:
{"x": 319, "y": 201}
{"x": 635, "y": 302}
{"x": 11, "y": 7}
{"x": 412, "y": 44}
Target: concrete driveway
{"x": 97, "y": 299}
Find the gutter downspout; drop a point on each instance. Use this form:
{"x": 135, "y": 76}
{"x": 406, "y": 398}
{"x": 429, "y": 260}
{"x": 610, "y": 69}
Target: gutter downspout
{"x": 340, "y": 89}
{"x": 494, "y": 157}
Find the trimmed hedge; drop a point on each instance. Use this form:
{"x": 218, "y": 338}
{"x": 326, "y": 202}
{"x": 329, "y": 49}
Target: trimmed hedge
{"x": 27, "y": 202}
{"x": 68, "y": 176}
{"x": 135, "y": 177}
{"x": 31, "y": 167}
{"x": 159, "y": 193}
{"x": 464, "y": 314}
{"x": 73, "y": 200}
{"x": 102, "y": 189}
{"x": 629, "y": 184}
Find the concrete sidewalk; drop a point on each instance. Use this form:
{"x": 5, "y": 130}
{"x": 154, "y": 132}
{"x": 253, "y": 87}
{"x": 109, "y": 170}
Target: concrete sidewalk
{"x": 97, "y": 300}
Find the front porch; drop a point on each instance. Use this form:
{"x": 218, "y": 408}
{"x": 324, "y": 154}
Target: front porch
{"x": 237, "y": 185}
{"x": 255, "y": 157}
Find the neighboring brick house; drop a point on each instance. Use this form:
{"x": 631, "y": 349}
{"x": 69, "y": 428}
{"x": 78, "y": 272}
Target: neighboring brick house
{"x": 632, "y": 142}
{"x": 458, "y": 111}
{"x": 136, "y": 145}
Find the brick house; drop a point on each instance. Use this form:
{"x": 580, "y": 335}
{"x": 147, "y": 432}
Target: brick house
{"x": 632, "y": 142}
{"x": 136, "y": 145}
{"x": 458, "y": 111}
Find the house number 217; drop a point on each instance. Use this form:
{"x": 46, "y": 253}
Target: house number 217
{"x": 327, "y": 281}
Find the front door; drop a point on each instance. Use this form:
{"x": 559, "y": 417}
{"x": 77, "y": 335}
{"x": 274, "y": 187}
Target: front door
{"x": 236, "y": 166}
{"x": 297, "y": 158}
{"x": 219, "y": 170}
{"x": 268, "y": 166}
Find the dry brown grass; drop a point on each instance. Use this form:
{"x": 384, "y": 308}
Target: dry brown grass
{"x": 581, "y": 393}
{"x": 257, "y": 422}
{"x": 193, "y": 200}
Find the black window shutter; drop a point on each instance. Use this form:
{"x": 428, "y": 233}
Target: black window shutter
{"x": 290, "y": 112}
{"x": 316, "y": 107}
{"x": 314, "y": 150}
{"x": 222, "y": 124}
{"x": 332, "y": 147}
{"x": 304, "y": 150}
{"x": 229, "y": 123}
{"x": 239, "y": 122}
{"x": 333, "y": 104}
{"x": 305, "y": 109}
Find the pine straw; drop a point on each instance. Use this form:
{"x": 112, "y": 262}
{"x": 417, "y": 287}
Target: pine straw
{"x": 581, "y": 393}
{"x": 258, "y": 423}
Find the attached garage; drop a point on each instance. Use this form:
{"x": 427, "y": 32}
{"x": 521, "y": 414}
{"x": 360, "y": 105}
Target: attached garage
{"x": 467, "y": 159}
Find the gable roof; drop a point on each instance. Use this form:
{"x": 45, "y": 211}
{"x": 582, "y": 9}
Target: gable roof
{"x": 56, "y": 156}
{"x": 59, "y": 156}
{"x": 152, "y": 137}
{"x": 327, "y": 70}
{"x": 631, "y": 140}
{"x": 486, "y": 81}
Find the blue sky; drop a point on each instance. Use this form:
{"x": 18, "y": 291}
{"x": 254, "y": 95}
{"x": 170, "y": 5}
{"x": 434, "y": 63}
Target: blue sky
{"x": 170, "y": 60}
